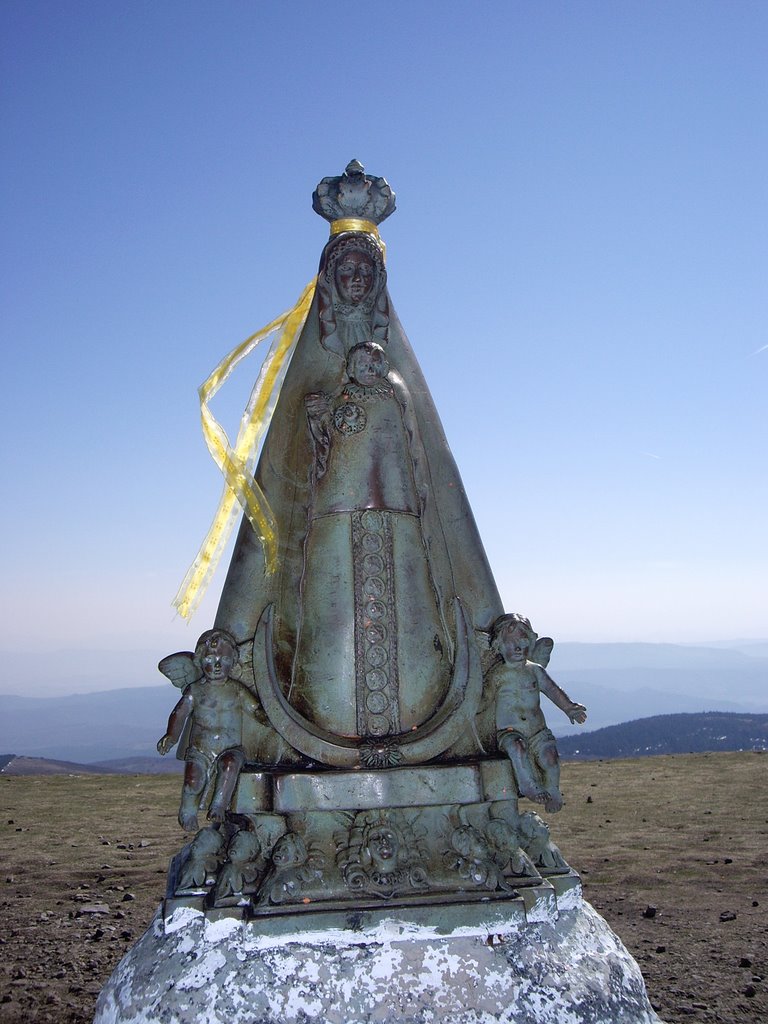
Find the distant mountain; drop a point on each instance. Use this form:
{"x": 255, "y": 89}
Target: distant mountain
{"x": 670, "y": 734}
{"x": 623, "y": 682}
{"x": 88, "y": 727}
{"x": 13, "y": 764}
{"x": 617, "y": 682}
{"x": 156, "y": 765}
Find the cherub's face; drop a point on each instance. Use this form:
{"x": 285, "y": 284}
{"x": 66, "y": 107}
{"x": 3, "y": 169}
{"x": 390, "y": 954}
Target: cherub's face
{"x": 218, "y": 659}
{"x": 245, "y": 846}
{"x": 366, "y": 366}
{"x": 354, "y": 276}
{"x": 383, "y": 845}
{"x": 513, "y": 643}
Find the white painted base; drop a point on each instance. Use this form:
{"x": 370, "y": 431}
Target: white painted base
{"x": 570, "y": 970}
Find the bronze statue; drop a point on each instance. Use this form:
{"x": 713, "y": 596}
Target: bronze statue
{"x": 521, "y": 729}
{"x": 342, "y": 716}
{"x": 208, "y": 723}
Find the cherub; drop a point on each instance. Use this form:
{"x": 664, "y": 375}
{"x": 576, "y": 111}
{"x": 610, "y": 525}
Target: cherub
{"x": 521, "y": 730}
{"x": 240, "y": 875}
{"x": 203, "y": 858}
{"x": 208, "y": 722}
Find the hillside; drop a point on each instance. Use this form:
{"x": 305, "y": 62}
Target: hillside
{"x": 669, "y": 734}
{"x": 13, "y": 764}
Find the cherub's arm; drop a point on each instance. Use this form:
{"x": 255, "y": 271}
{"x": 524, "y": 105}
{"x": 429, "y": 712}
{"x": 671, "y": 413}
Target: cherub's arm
{"x": 576, "y": 712}
{"x": 176, "y": 722}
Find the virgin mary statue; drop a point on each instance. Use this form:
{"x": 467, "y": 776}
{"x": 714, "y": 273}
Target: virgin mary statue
{"x": 367, "y": 634}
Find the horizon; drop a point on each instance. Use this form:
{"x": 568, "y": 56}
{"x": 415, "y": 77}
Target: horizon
{"x": 578, "y": 257}
{"x": 97, "y": 684}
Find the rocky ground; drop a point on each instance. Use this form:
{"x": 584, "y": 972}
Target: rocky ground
{"x": 673, "y": 852}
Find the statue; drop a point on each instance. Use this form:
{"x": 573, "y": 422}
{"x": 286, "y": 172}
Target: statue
{"x": 521, "y": 730}
{"x": 198, "y": 870}
{"x": 333, "y": 719}
{"x": 208, "y": 723}
{"x": 362, "y": 719}
{"x": 242, "y": 871}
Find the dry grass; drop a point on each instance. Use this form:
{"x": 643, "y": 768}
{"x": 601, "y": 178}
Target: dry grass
{"x": 686, "y": 834}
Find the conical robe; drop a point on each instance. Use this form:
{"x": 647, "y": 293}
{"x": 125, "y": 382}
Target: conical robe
{"x": 372, "y": 557}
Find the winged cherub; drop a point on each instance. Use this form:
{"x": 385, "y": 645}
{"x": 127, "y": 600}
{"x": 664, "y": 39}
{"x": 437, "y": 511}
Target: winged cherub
{"x": 521, "y": 730}
{"x": 208, "y": 720}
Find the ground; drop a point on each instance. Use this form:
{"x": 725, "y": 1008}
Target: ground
{"x": 673, "y": 852}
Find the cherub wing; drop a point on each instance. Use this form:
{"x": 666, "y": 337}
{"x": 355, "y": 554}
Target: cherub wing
{"x": 542, "y": 651}
{"x": 180, "y": 669}
{"x": 488, "y": 657}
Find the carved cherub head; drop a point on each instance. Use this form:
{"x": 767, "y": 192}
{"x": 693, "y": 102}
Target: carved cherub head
{"x": 217, "y": 654}
{"x": 244, "y": 846}
{"x": 367, "y": 363}
{"x": 512, "y": 636}
{"x": 289, "y": 851}
{"x": 381, "y": 846}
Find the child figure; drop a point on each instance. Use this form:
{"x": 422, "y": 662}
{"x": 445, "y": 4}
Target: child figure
{"x": 213, "y": 709}
{"x": 521, "y": 730}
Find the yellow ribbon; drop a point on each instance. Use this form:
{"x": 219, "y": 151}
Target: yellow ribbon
{"x": 238, "y": 463}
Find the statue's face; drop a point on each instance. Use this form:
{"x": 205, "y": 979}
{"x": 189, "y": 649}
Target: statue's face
{"x": 367, "y": 367}
{"x": 354, "y": 276}
{"x": 218, "y": 659}
{"x": 514, "y": 643}
{"x": 383, "y": 845}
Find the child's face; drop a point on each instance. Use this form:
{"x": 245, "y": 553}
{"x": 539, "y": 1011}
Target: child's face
{"x": 218, "y": 659}
{"x": 513, "y": 643}
{"x": 366, "y": 367}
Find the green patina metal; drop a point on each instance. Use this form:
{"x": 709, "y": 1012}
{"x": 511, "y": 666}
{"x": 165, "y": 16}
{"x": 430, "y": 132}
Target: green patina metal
{"x": 360, "y": 725}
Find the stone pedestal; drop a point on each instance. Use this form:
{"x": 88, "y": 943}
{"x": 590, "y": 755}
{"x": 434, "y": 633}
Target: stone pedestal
{"x": 542, "y": 958}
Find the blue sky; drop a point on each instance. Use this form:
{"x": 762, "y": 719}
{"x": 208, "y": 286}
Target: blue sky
{"x": 578, "y": 257}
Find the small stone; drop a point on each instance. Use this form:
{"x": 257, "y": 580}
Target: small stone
{"x": 755, "y": 903}
{"x": 589, "y": 800}
{"x": 727, "y": 860}
{"x": 92, "y": 908}
{"x": 750, "y": 991}
{"x": 144, "y": 842}
{"x": 98, "y": 934}
{"x": 11, "y": 821}
{"x": 745, "y": 962}
{"x": 128, "y": 897}
{"x": 650, "y": 911}
{"x": 728, "y": 915}
{"x": 661, "y": 949}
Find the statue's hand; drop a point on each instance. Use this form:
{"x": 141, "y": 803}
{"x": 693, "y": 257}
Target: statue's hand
{"x": 317, "y": 404}
{"x": 577, "y": 713}
{"x": 164, "y": 744}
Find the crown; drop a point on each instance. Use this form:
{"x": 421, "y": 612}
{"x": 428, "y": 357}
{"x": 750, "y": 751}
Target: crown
{"x": 354, "y": 194}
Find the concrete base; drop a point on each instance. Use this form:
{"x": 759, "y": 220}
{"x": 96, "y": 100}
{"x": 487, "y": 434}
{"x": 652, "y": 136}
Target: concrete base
{"x": 567, "y": 968}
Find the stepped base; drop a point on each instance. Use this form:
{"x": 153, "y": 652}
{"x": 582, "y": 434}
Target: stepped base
{"x": 554, "y": 961}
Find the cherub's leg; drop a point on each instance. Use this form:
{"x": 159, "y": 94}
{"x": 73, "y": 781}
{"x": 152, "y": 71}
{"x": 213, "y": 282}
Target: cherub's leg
{"x": 515, "y": 748}
{"x": 191, "y": 791}
{"x": 549, "y": 763}
{"x": 228, "y": 767}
